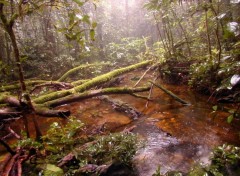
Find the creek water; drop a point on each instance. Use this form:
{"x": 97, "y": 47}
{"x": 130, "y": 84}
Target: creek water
{"x": 176, "y": 137}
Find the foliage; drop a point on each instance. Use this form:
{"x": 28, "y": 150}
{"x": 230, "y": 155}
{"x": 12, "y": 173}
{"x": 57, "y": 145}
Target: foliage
{"x": 117, "y": 147}
{"x": 28, "y": 143}
{"x": 52, "y": 170}
{"x": 203, "y": 75}
{"x": 61, "y": 139}
{"x": 226, "y": 157}
{"x": 224, "y": 162}
{"x": 126, "y": 51}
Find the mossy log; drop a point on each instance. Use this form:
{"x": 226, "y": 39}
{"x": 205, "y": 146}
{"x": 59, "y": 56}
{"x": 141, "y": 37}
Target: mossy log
{"x": 6, "y": 98}
{"x": 89, "y": 84}
{"x": 94, "y": 93}
{"x": 79, "y": 82}
{"x": 28, "y": 83}
{"x": 171, "y": 94}
{"x": 17, "y": 85}
{"x": 55, "y": 85}
{"x": 73, "y": 70}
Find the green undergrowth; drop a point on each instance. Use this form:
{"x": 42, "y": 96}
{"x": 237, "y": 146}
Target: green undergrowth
{"x": 62, "y": 140}
{"x": 225, "y": 161}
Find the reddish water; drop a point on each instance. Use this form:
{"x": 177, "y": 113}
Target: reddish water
{"x": 176, "y": 136}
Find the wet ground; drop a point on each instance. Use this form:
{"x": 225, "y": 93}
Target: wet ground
{"x": 176, "y": 136}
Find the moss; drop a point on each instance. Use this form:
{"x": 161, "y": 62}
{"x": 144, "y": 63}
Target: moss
{"x": 89, "y": 84}
{"x": 79, "y": 82}
{"x": 17, "y": 85}
{"x": 108, "y": 76}
{"x": 51, "y": 96}
{"x": 68, "y": 73}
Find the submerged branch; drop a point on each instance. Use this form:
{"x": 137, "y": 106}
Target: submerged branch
{"x": 170, "y": 94}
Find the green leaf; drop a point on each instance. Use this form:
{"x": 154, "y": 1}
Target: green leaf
{"x": 86, "y": 19}
{"x": 215, "y": 108}
{"x": 80, "y": 3}
{"x": 52, "y": 170}
{"x": 232, "y": 111}
{"x": 230, "y": 118}
{"x": 92, "y": 34}
{"x": 94, "y": 25}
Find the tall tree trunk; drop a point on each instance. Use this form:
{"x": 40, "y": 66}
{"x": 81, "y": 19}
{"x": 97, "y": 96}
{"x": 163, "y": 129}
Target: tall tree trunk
{"x": 208, "y": 35}
{"x": 8, "y": 26}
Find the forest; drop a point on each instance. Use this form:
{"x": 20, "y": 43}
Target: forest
{"x": 120, "y": 87}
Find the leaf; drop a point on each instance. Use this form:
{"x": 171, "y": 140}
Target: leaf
{"x": 92, "y": 34}
{"x": 86, "y": 19}
{"x": 94, "y": 25}
{"x": 80, "y": 3}
{"x": 52, "y": 170}
{"x": 215, "y": 108}
{"x": 230, "y": 119}
{"x": 4, "y": 2}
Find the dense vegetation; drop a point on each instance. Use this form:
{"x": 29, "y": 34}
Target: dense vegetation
{"x": 60, "y": 51}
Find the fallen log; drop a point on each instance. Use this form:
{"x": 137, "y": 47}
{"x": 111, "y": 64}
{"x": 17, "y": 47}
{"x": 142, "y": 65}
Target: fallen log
{"x": 5, "y": 116}
{"x": 122, "y": 107}
{"x": 5, "y": 98}
{"x": 17, "y": 85}
{"x": 170, "y": 94}
{"x": 94, "y": 93}
{"x": 89, "y": 84}
{"x": 56, "y": 85}
{"x": 79, "y": 82}
{"x": 73, "y": 70}
{"x": 52, "y": 113}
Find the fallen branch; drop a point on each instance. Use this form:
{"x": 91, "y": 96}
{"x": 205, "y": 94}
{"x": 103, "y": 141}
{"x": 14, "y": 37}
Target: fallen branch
{"x": 56, "y": 85}
{"x": 52, "y": 113}
{"x": 94, "y": 93}
{"x": 89, "y": 84}
{"x": 17, "y": 85}
{"x": 5, "y": 98}
{"x": 170, "y": 94}
{"x": 71, "y": 71}
{"x": 143, "y": 75}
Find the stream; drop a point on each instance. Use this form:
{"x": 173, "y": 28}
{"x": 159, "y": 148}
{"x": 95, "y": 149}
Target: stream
{"x": 176, "y": 136}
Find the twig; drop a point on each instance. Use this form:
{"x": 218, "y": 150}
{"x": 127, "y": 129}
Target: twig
{"x": 143, "y": 76}
{"x": 150, "y": 92}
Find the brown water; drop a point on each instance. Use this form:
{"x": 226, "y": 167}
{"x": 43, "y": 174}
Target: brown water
{"x": 176, "y": 136}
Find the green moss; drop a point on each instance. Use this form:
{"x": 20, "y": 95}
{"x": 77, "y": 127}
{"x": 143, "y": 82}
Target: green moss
{"x": 68, "y": 73}
{"x": 89, "y": 84}
{"x": 51, "y": 96}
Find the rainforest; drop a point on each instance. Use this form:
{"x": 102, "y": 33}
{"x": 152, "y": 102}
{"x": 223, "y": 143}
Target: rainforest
{"x": 120, "y": 87}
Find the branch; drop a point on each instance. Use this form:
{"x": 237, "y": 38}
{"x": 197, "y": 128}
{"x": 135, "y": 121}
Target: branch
{"x": 170, "y": 94}
{"x": 94, "y": 93}
{"x": 71, "y": 71}
{"x": 89, "y": 84}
